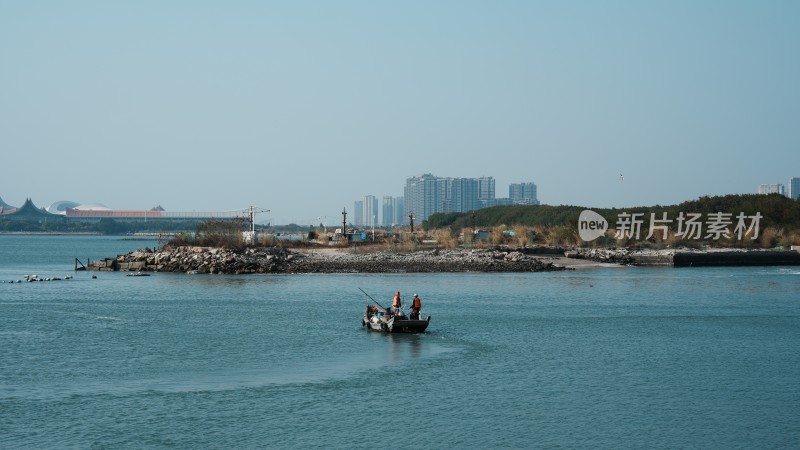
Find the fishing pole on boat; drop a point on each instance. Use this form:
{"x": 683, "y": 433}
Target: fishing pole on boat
{"x": 370, "y": 297}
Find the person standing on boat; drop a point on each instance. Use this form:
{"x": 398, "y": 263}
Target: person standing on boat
{"x": 416, "y": 305}
{"x": 396, "y": 303}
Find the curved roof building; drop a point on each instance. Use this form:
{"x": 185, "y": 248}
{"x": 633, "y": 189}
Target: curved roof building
{"x": 29, "y": 211}
{"x": 5, "y": 208}
{"x": 60, "y": 207}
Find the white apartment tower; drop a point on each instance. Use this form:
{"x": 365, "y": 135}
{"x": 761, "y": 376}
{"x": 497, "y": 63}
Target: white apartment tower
{"x": 794, "y": 188}
{"x": 764, "y": 189}
{"x": 369, "y": 216}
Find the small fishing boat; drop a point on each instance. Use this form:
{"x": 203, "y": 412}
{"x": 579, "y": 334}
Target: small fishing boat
{"x": 378, "y": 319}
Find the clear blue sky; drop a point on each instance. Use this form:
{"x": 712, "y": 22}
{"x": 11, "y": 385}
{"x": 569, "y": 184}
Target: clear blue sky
{"x": 303, "y": 107}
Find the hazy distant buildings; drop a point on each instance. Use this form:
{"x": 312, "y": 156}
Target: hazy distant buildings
{"x": 68, "y": 211}
{"x": 387, "y": 212}
{"x": 365, "y": 211}
{"x": 794, "y": 188}
{"x": 392, "y": 211}
{"x": 370, "y": 210}
{"x": 466, "y": 194}
{"x": 358, "y": 213}
{"x": 428, "y": 194}
{"x": 764, "y": 189}
{"x": 400, "y": 216}
{"x": 522, "y": 194}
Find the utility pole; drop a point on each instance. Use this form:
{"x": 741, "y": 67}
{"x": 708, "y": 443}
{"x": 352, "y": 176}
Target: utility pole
{"x": 411, "y": 219}
{"x": 474, "y": 224}
{"x": 252, "y": 221}
{"x": 251, "y": 217}
{"x": 344, "y": 223}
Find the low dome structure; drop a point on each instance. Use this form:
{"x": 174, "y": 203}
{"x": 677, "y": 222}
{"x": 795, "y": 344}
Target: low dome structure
{"x": 60, "y": 207}
{"x": 92, "y": 207}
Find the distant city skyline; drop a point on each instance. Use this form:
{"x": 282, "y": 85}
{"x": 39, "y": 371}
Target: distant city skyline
{"x": 387, "y": 206}
{"x": 427, "y": 194}
{"x": 303, "y": 107}
{"x": 791, "y": 189}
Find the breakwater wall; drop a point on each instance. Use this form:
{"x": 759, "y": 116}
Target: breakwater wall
{"x": 749, "y": 258}
{"x": 678, "y": 258}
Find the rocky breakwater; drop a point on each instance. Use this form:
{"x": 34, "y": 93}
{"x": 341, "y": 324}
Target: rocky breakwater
{"x": 611, "y": 256}
{"x": 280, "y": 260}
{"x": 200, "y": 260}
{"x": 423, "y": 261}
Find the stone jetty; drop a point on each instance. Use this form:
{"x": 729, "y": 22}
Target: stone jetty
{"x": 279, "y": 260}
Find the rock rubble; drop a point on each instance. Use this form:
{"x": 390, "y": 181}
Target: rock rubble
{"x": 281, "y": 260}
{"x": 612, "y": 256}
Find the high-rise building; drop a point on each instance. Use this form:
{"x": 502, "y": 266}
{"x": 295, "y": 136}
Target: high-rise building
{"x": 764, "y": 189}
{"x": 522, "y": 194}
{"x": 421, "y": 194}
{"x": 392, "y": 211}
{"x": 794, "y": 188}
{"x": 485, "y": 188}
{"x": 387, "y": 211}
{"x": 370, "y": 211}
{"x": 358, "y": 213}
{"x": 399, "y": 211}
{"x": 464, "y": 194}
{"x": 428, "y": 194}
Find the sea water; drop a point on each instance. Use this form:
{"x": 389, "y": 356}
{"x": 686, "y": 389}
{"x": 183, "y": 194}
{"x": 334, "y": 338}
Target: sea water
{"x": 611, "y": 357}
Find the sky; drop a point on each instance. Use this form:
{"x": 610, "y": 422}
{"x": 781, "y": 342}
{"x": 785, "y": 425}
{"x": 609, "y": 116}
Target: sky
{"x": 303, "y": 107}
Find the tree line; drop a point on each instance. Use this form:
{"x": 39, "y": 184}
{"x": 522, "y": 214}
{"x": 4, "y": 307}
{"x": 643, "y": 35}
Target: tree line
{"x": 776, "y": 210}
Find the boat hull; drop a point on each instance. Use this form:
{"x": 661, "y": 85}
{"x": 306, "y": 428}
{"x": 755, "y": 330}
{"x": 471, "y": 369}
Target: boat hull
{"x": 408, "y": 326}
{"x": 394, "y": 324}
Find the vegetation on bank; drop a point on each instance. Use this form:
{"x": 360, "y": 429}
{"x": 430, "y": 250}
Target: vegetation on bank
{"x": 558, "y": 225}
{"x": 777, "y": 211}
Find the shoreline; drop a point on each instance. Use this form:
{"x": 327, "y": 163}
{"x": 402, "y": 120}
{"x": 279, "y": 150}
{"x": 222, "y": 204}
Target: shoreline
{"x": 280, "y": 260}
{"x": 50, "y": 233}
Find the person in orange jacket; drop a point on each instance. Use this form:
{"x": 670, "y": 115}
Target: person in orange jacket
{"x": 396, "y": 303}
{"x": 416, "y": 305}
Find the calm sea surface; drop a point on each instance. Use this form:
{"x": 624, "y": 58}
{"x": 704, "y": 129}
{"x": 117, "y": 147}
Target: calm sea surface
{"x": 592, "y": 358}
